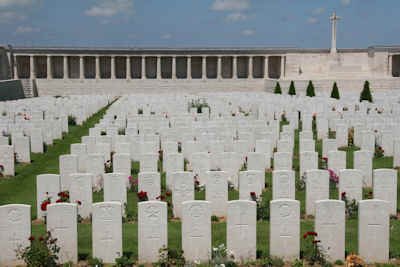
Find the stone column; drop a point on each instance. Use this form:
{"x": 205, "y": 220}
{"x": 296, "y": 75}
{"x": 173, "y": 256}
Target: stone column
{"x": 282, "y": 67}
{"x": 81, "y": 68}
{"x": 49, "y": 74}
{"x": 266, "y": 67}
{"x": 113, "y": 68}
{"x": 97, "y": 67}
{"x": 204, "y": 68}
{"x": 15, "y": 68}
{"x": 158, "y": 67}
{"x": 234, "y": 67}
{"x": 250, "y": 73}
{"x": 189, "y": 68}
{"x": 128, "y": 67}
{"x": 143, "y": 67}
{"x": 32, "y": 67}
{"x": 66, "y": 71}
{"x": 219, "y": 68}
{"x": 174, "y": 67}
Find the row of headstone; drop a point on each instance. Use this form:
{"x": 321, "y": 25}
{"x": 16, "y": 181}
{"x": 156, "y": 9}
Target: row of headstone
{"x": 284, "y": 242}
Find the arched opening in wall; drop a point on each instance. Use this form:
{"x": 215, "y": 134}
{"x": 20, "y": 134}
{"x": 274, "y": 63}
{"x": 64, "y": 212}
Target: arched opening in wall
{"x": 23, "y": 67}
{"x": 242, "y": 67}
{"x": 181, "y": 67}
{"x": 105, "y": 67}
{"x": 226, "y": 67}
{"x": 120, "y": 67}
{"x": 274, "y": 67}
{"x": 89, "y": 67}
{"x": 40, "y": 66}
{"x": 212, "y": 67}
{"x": 57, "y": 67}
{"x": 166, "y": 67}
{"x": 73, "y": 67}
{"x": 197, "y": 69}
{"x": 258, "y": 67}
{"x": 136, "y": 67}
{"x": 151, "y": 67}
{"x": 396, "y": 65}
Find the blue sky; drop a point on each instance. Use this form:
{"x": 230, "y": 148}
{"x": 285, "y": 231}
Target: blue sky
{"x": 198, "y": 23}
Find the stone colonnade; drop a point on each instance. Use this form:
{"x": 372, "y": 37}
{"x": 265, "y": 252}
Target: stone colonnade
{"x": 148, "y": 67}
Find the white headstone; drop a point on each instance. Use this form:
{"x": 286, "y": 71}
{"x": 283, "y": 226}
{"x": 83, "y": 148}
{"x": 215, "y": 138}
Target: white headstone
{"x": 385, "y": 187}
{"x": 285, "y": 229}
{"x": 258, "y": 161}
{"x": 62, "y": 223}
{"x": 317, "y": 188}
{"x": 363, "y": 162}
{"x": 328, "y": 145}
{"x": 330, "y": 226}
{"x": 250, "y": 181}
{"x": 241, "y": 229}
{"x": 308, "y": 161}
{"x": 336, "y": 161}
{"x": 373, "y": 230}
{"x": 122, "y": 164}
{"x": 68, "y": 164}
{"x": 81, "y": 192}
{"x": 148, "y": 162}
{"x": 95, "y": 166}
{"x": 81, "y": 151}
{"x": 283, "y": 185}
{"x": 47, "y": 186}
{"x": 217, "y": 192}
{"x": 7, "y": 160}
{"x": 36, "y": 140}
{"x": 107, "y": 231}
{"x": 350, "y": 183}
{"x": 15, "y": 229}
{"x": 196, "y": 230}
{"x": 115, "y": 188}
{"x": 153, "y": 230}
{"x": 183, "y": 190}
{"x": 282, "y": 161}
{"x": 150, "y": 183}
{"x": 22, "y": 149}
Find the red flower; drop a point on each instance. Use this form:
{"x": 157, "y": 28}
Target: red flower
{"x": 305, "y": 235}
{"x": 142, "y": 195}
{"x": 31, "y": 238}
{"x": 343, "y": 195}
{"x": 168, "y": 193}
{"x": 253, "y": 194}
{"x": 58, "y": 201}
{"x": 41, "y": 238}
{"x": 44, "y": 205}
{"x": 78, "y": 202}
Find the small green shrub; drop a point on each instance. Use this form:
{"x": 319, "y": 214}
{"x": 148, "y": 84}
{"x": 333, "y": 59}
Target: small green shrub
{"x": 335, "y": 91}
{"x": 366, "y": 93}
{"x": 41, "y": 252}
{"x": 71, "y": 120}
{"x": 278, "y": 89}
{"x": 292, "y": 89}
{"x": 124, "y": 261}
{"x": 95, "y": 262}
{"x": 214, "y": 218}
{"x": 310, "y": 89}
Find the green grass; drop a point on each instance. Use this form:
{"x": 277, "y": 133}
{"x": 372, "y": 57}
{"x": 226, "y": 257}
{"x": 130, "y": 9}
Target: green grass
{"x": 11, "y": 191}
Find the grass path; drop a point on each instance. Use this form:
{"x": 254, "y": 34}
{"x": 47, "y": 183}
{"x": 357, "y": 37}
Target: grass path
{"x": 21, "y": 188}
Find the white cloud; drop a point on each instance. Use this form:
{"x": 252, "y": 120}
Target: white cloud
{"x": 248, "y": 32}
{"x": 7, "y": 3}
{"x": 226, "y": 5}
{"x": 166, "y": 36}
{"x": 345, "y": 2}
{"x": 10, "y": 16}
{"x": 26, "y": 29}
{"x": 318, "y": 11}
{"x": 237, "y": 16}
{"x": 312, "y": 20}
{"x": 110, "y": 8}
